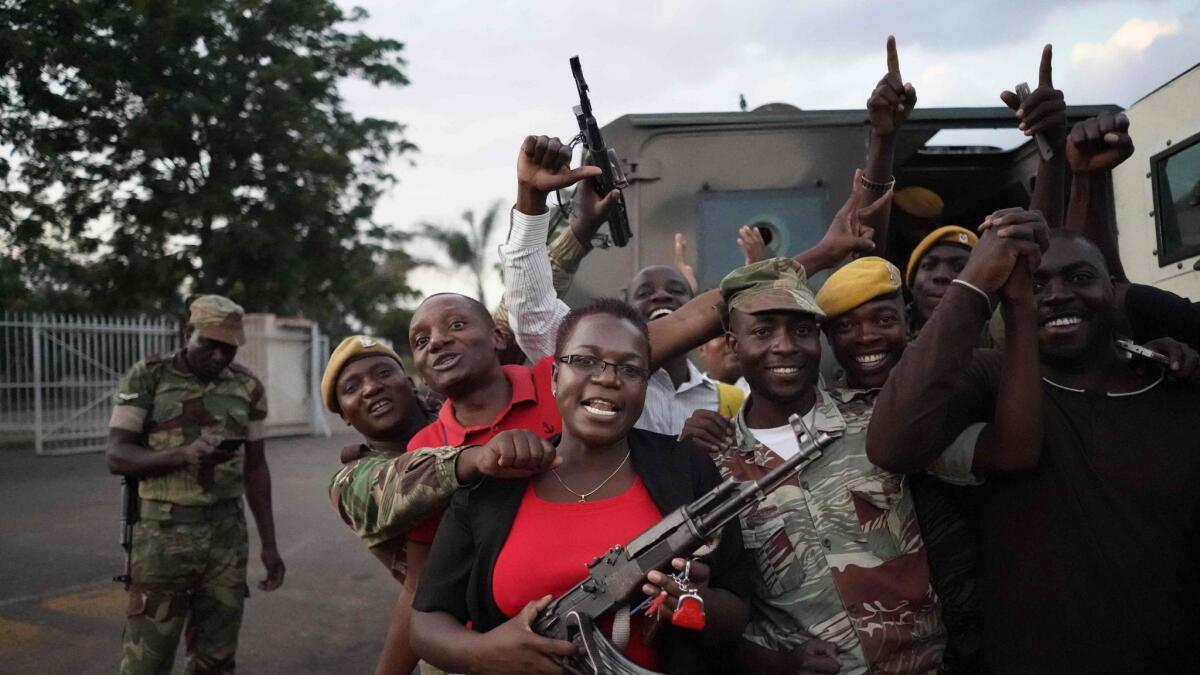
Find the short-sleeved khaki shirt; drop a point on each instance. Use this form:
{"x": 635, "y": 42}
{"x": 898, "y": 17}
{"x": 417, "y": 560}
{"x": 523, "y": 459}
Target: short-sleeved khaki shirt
{"x": 171, "y": 407}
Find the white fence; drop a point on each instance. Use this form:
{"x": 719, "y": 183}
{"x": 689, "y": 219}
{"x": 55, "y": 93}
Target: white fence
{"x": 58, "y": 373}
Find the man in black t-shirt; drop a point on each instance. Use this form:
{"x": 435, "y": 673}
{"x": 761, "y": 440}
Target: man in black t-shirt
{"x": 1089, "y": 557}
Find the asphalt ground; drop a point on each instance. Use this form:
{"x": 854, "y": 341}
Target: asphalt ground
{"x": 60, "y": 612}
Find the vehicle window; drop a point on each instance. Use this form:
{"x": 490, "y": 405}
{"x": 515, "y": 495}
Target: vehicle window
{"x": 1176, "y": 179}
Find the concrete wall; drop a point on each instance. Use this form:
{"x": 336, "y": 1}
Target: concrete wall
{"x": 277, "y": 350}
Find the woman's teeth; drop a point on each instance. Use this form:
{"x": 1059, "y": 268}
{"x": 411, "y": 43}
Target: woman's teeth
{"x": 601, "y": 408}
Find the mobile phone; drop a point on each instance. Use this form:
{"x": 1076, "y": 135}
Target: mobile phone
{"x": 1138, "y": 350}
{"x": 231, "y": 444}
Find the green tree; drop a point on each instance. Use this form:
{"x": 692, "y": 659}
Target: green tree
{"x": 156, "y": 149}
{"x": 466, "y": 244}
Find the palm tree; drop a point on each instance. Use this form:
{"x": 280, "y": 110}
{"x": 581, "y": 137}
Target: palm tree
{"x": 465, "y": 244}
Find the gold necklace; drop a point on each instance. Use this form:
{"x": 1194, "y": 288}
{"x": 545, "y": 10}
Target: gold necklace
{"x": 583, "y": 496}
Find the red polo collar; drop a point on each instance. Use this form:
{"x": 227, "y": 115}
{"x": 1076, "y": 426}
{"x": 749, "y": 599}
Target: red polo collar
{"x": 523, "y": 391}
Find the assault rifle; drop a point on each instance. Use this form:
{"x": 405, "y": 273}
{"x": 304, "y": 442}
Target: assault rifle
{"x": 611, "y": 175}
{"x": 129, "y": 516}
{"x": 616, "y": 578}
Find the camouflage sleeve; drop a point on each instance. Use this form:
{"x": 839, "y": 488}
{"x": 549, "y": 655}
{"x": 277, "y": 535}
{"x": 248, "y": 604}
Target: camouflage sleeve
{"x": 133, "y": 399}
{"x": 566, "y": 252}
{"x": 258, "y": 411}
{"x": 384, "y": 496}
{"x": 954, "y": 464}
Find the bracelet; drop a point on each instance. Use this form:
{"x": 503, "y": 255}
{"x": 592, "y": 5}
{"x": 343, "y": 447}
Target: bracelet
{"x": 987, "y": 300}
{"x": 872, "y": 186}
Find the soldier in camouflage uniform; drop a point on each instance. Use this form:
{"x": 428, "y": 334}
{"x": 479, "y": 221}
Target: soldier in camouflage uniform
{"x": 383, "y": 492}
{"x": 170, "y": 417}
{"x": 843, "y": 580}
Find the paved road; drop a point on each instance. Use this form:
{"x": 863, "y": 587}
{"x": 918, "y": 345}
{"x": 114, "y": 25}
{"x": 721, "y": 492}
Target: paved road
{"x": 60, "y": 613}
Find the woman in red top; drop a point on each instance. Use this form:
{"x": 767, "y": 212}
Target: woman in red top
{"x": 506, "y": 547}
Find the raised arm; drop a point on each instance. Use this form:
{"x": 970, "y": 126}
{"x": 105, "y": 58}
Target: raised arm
{"x": 890, "y": 104}
{"x": 1094, "y": 148}
{"x": 699, "y": 320}
{"x": 1045, "y": 112}
{"x": 382, "y": 499}
{"x": 1014, "y": 441}
{"x": 543, "y": 165}
{"x": 938, "y": 388}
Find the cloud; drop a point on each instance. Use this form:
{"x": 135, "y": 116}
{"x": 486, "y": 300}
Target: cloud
{"x": 485, "y": 74}
{"x": 1129, "y": 41}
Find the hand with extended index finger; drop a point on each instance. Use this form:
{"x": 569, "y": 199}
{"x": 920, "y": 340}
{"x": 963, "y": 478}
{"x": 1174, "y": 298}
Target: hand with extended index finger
{"x": 544, "y": 165}
{"x": 1044, "y": 111}
{"x": 892, "y": 100}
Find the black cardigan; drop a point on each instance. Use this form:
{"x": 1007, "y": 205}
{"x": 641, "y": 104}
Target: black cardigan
{"x": 458, "y": 574}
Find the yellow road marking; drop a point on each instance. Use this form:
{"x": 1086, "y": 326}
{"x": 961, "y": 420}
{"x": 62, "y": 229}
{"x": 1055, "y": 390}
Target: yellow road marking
{"x": 95, "y": 603}
{"x": 18, "y": 637}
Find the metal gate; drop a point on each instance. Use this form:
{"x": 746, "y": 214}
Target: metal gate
{"x": 58, "y": 373}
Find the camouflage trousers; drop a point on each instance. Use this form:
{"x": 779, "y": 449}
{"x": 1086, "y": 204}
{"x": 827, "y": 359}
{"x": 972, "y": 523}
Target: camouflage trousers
{"x": 189, "y": 571}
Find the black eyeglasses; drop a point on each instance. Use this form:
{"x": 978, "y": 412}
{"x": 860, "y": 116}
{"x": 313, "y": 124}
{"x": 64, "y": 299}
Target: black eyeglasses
{"x": 595, "y": 366}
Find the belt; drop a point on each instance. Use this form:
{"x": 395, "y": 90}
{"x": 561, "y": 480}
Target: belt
{"x": 153, "y": 509}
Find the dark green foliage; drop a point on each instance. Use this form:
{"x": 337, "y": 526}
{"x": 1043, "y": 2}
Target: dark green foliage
{"x": 152, "y": 149}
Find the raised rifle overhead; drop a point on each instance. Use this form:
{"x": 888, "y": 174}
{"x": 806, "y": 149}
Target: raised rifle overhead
{"x": 788, "y": 170}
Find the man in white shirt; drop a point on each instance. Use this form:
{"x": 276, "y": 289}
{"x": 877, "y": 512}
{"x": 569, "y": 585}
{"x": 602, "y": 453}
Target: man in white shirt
{"x": 674, "y": 391}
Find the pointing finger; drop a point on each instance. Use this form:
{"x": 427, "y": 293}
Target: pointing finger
{"x": 1044, "y": 71}
{"x": 893, "y": 59}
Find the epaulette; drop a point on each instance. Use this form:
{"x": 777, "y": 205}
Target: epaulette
{"x": 239, "y": 369}
{"x": 351, "y": 453}
{"x": 154, "y": 359}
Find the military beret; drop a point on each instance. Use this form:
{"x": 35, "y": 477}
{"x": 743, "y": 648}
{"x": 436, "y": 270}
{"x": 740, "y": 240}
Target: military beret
{"x": 918, "y": 202}
{"x": 217, "y": 318}
{"x": 857, "y": 282}
{"x": 350, "y": 350}
{"x": 769, "y": 285}
{"x": 950, "y": 234}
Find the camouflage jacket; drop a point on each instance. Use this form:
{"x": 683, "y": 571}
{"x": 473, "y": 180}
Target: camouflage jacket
{"x": 171, "y": 407}
{"x": 383, "y": 493}
{"x": 838, "y": 549}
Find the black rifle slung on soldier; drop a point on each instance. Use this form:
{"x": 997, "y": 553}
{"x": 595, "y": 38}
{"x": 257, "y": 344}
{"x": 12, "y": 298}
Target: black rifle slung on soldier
{"x": 130, "y": 510}
{"x": 611, "y": 174}
{"x": 615, "y": 578}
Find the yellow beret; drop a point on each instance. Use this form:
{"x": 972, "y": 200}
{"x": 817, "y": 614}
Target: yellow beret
{"x": 950, "y": 234}
{"x": 351, "y": 349}
{"x": 855, "y": 283}
{"x": 918, "y": 202}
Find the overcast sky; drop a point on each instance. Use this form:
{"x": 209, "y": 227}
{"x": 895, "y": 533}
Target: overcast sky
{"x": 485, "y": 74}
